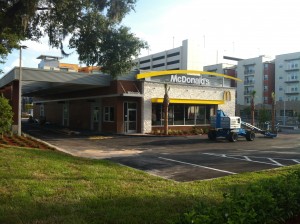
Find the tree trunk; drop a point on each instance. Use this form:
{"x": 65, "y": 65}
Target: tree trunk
{"x": 273, "y": 112}
{"x": 252, "y": 112}
{"x": 166, "y": 110}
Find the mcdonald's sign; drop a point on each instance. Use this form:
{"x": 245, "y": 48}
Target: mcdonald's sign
{"x": 227, "y": 96}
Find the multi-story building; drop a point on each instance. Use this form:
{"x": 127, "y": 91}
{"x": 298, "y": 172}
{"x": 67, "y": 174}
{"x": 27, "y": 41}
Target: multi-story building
{"x": 223, "y": 68}
{"x": 287, "y": 85}
{"x": 189, "y": 56}
{"x": 52, "y": 63}
{"x": 257, "y": 74}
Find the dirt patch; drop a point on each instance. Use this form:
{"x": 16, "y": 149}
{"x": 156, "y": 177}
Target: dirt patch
{"x": 101, "y": 154}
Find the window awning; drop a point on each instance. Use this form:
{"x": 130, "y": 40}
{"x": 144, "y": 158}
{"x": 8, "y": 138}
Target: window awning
{"x": 188, "y": 101}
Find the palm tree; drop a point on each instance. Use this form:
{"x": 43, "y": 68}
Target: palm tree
{"x": 166, "y": 109}
{"x": 252, "y": 106}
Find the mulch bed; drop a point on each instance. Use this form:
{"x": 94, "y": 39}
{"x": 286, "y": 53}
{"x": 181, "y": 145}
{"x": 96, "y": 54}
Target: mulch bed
{"x": 23, "y": 141}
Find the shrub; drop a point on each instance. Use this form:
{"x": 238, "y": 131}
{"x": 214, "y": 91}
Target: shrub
{"x": 159, "y": 132}
{"x": 205, "y": 130}
{"x": 268, "y": 201}
{"x": 185, "y": 132}
{"x": 197, "y": 131}
{"x": 6, "y": 115}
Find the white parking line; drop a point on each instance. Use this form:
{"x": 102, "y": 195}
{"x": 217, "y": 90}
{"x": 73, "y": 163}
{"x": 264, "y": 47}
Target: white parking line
{"x": 296, "y": 161}
{"x": 230, "y": 157}
{"x": 274, "y": 161}
{"x": 247, "y": 158}
{"x": 191, "y": 164}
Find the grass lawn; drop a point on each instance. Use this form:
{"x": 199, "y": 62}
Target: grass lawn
{"x": 39, "y": 186}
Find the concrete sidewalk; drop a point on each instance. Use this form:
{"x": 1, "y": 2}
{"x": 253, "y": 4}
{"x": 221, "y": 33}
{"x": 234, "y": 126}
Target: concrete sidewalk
{"x": 88, "y": 144}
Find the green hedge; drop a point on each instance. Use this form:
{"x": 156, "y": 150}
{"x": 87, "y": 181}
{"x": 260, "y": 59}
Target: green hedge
{"x": 6, "y": 116}
{"x": 270, "y": 200}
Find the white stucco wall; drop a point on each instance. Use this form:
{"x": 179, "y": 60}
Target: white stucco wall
{"x": 157, "y": 90}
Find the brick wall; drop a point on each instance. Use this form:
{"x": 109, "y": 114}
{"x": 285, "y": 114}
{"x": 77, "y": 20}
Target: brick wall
{"x": 80, "y": 114}
{"x": 53, "y": 112}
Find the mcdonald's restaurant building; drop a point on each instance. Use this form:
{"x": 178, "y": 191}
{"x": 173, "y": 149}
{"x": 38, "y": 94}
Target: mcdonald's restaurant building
{"x": 194, "y": 96}
{"x": 132, "y": 103}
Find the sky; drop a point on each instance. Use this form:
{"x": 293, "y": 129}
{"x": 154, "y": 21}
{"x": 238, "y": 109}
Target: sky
{"x": 238, "y": 28}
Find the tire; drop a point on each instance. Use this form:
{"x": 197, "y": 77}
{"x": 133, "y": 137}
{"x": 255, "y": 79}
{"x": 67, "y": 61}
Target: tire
{"x": 212, "y": 135}
{"x": 250, "y": 136}
{"x": 233, "y": 137}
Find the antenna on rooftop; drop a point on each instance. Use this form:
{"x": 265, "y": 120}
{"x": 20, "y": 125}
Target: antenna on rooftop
{"x": 173, "y": 41}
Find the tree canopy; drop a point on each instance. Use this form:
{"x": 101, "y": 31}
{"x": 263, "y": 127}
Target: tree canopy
{"x": 92, "y": 27}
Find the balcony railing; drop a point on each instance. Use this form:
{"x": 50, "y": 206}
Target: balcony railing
{"x": 291, "y": 69}
{"x": 289, "y": 80}
{"x": 292, "y": 92}
{"x": 249, "y": 82}
{"x": 249, "y": 72}
{"x": 247, "y": 92}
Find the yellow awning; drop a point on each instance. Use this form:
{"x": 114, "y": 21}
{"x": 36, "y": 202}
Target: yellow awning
{"x": 188, "y": 101}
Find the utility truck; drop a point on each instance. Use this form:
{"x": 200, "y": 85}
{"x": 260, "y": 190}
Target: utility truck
{"x": 231, "y": 128}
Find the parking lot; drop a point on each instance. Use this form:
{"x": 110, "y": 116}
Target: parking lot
{"x": 196, "y": 158}
{"x": 181, "y": 158}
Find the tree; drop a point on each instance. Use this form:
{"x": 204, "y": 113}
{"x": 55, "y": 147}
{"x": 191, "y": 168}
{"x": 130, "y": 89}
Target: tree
{"x": 253, "y": 93}
{"x": 92, "y": 27}
{"x": 6, "y": 115}
{"x": 166, "y": 109}
{"x": 264, "y": 115}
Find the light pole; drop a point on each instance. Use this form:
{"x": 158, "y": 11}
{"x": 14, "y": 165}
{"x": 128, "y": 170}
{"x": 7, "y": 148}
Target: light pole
{"x": 20, "y": 91}
{"x": 284, "y": 111}
{"x": 284, "y": 108}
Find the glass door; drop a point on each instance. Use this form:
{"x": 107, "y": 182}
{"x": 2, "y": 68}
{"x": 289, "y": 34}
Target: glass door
{"x": 65, "y": 115}
{"x": 95, "y": 118}
{"x": 130, "y": 117}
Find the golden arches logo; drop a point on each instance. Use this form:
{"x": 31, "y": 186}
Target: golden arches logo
{"x": 187, "y": 72}
{"x": 227, "y": 96}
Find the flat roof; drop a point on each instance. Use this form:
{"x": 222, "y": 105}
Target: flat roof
{"x": 42, "y": 82}
{"x": 232, "y": 58}
{"x": 48, "y": 57}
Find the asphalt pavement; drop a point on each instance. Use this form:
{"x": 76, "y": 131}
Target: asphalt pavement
{"x": 180, "y": 158}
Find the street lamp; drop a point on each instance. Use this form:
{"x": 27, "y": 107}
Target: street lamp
{"x": 284, "y": 109}
{"x": 20, "y": 91}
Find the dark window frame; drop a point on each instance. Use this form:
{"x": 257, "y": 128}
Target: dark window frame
{"x": 109, "y": 114}
{"x": 173, "y": 54}
{"x": 158, "y": 58}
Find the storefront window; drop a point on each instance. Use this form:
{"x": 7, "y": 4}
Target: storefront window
{"x": 170, "y": 115}
{"x": 201, "y": 115}
{"x": 156, "y": 114}
{"x": 179, "y": 114}
{"x": 190, "y": 114}
{"x": 108, "y": 114}
{"x": 182, "y": 114}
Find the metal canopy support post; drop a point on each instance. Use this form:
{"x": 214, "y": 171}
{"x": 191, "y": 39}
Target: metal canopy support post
{"x": 20, "y": 92}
